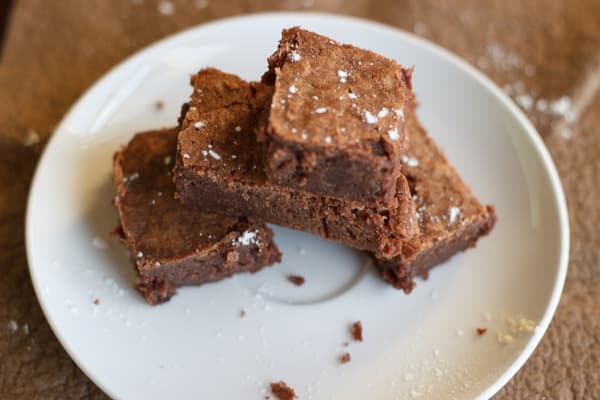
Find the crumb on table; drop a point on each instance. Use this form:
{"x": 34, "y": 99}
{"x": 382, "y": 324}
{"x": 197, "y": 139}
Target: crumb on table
{"x": 96, "y": 301}
{"x": 242, "y": 313}
{"x": 357, "y": 331}
{"x": 282, "y": 391}
{"x": 159, "y": 105}
{"x": 345, "y": 358}
{"x": 481, "y": 331}
{"x": 297, "y": 280}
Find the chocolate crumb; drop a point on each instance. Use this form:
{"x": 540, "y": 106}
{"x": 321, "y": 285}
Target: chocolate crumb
{"x": 159, "y": 105}
{"x": 96, "y": 301}
{"x": 481, "y": 331}
{"x": 242, "y": 313}
{"x": 345, "y": 358}
{"x": 282, "y": 391}
{"x": 297, "y": 280}
{"x": 345, "y": 344}
{"x": 357, "y": 331}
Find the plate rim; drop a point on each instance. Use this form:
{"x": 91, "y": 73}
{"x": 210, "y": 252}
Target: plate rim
{"x": 531, "y": 134}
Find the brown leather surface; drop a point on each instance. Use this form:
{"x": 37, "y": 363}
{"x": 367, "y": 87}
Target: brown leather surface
{"x": 54, "y": 50}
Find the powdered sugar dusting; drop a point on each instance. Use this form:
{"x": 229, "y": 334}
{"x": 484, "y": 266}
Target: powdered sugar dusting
{"x": 320, "y": 110}
{"x": 186, "y": 156}
{"x": 214, "y": 154}
{"x": 369, "y": 118}
{"x": 295, "y": 56}
{"x": 199, "y": 125}
{"x": 328, "y": 139}
{"x": 166, "y": 7}
{"x": 247, "y": 238}
{"x": 383, "y": 112}
{"x": 409, "y": 161}
{"x": 343, "y": 75}
{"x": 453, "y": 214}
{"x": 12, "y": 326}
{"x": 393, "y": 134}
{"x": 293, "y": 89}
{"x": 352, "y": 96}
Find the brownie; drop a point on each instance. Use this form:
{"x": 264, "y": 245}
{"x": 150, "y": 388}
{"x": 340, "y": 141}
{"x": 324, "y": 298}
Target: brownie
{"x": 336, "y": 120}
{"x": 220, "y": 168}
{"x": 170, "y": 244}
{"x": 451, "y": 219}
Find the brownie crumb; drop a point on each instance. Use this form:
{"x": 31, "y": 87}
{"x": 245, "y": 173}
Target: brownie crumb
{"x": 242, "y": 313}
{"x": 96, "y": 301}
{"x": 159, "y": 105}
{"x": 357, "y": 331}
{"x": 282, "y": 391}
{"x": 297, "y": 280}
{"x": 481, "y": 331}
{"x": 345, "y": 358}
{"x": 346, "y": 344}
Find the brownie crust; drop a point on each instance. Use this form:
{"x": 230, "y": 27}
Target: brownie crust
{"x": 172, "y": 245}
{"x": 451, "y": 219}
{"x": 220, "y": 168}
{"x": 336, "y": 120}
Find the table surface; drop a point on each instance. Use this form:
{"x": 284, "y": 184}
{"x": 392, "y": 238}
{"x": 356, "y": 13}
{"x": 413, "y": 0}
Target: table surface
{"x": 544, "y": 53}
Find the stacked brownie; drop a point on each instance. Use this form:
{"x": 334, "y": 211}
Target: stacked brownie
{"x": 327, "y": 142}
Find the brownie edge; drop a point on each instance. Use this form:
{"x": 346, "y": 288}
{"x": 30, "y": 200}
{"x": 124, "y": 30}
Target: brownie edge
{"x": 172, "y": 245}
{"x": 451, "y": 219}
{"x": 335, "y": 126}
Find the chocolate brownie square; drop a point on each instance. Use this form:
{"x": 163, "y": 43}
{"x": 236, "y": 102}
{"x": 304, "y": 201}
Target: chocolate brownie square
{"x": 451, "y": 219}
{"x": 336, "y": 120}
{"x": 220, "y": 168}
{"x": 172, "y": 245}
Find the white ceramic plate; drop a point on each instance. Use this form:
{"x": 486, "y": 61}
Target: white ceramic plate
{"x": 197, "y": 346}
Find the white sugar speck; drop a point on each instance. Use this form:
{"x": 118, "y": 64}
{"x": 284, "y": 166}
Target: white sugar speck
{"x": 31, "y": 138}
{"x": 26, "y": 329}
{"x": 99, "y": 243}
{"x": 315, "y": 98}
{"x": 167, "y": 160}
{"x": 186, "y": 155}
{"x": 166, "y": 7}
{"x": 293, "y": 89}
{"x": 399, "y": 113}
{"x": 12, "y": 326}
{"x": 369, "y": 118}
{"x": 201, "y": 4}
{"x": 328, "y": 139}
{"x": 383, "y": 112}
{"x": 295, "y": 56}
{"x": 393, "y": 134}
{"x": 525, "y": 101}
{"x": 238, "y": 128}
{"x": 204, "y": 152}
{"x": 352, "y": 96}
{"x": 139, "y": 254}
{"x": 131, "y": 177}
{"x": 214, "y": 154}
{"x": 409, "y": 161}
{"x": 320, "y": 110}
{"x": 343, "y": 75}
{"x": 420, "y": 28}
{"x": 233, "y": 156}
{"x": 199, "y": 125}
{"x": 453, "y": 214}
{"x": 304, "y": 135}
{"x": 157, "y": 263}
{"x": 248, "y": 237}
